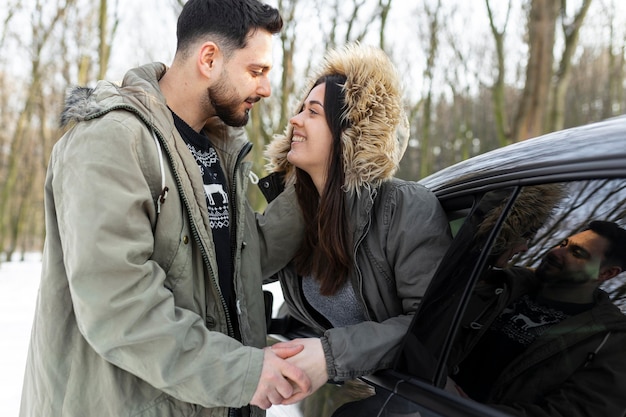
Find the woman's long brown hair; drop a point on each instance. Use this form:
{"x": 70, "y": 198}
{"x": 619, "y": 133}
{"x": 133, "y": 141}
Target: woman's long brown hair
{"x": 326, "y": 252}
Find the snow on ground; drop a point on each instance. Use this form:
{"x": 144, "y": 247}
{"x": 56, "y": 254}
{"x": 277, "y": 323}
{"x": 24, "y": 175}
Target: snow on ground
{"x": 19, "y": 282}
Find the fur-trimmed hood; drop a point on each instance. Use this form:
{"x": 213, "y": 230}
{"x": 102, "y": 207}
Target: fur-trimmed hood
{"x": 532, "y": 208}
{"x": 378, "y": 130}
{"x": 140, "y": 93}
{"x": 79, "y": 104}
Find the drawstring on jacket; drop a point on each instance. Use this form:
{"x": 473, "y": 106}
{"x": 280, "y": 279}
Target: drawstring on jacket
{"x": 475, "y": 324}
{"x": 254, "y": 178}
{"x": 592, "y": 355}
{"x": 163, "y": 195}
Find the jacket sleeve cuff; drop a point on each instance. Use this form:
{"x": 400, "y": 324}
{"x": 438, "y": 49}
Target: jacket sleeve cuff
{"x": 330, "y": 362}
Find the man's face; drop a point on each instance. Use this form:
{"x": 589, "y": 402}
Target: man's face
{"x": 243, "y": 80}
{"x": 576, "y": 259}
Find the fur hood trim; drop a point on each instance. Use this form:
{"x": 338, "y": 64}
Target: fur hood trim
{"x": 378, "y": 130}
{"x": 79, "y": 103}
{"x": 532, "y": 208}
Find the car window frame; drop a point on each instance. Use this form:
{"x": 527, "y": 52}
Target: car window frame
{"x": 419, "y": 369}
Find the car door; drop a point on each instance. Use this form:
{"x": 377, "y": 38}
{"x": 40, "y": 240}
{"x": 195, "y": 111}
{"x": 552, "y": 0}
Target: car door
{"x": 542, "y": 214}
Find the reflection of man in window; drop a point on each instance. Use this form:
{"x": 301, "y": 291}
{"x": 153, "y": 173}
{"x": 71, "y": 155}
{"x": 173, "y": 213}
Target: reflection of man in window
{"x": 549, "y": 342}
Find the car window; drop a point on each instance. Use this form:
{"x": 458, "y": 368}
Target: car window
{"x": 582, "y": 202}
{"x": 507, "y": 233}
{"x": 424, "y": 347}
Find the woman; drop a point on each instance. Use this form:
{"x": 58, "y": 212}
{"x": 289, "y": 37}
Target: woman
{"x": 372, "y": 242}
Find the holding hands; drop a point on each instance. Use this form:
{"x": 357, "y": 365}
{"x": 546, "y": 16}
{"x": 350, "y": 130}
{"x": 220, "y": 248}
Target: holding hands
{"x": 310, "y": 359}
{"x": 281, "y": 382}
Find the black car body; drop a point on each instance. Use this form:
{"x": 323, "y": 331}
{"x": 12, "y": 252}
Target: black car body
{"x": 587, "y": 163}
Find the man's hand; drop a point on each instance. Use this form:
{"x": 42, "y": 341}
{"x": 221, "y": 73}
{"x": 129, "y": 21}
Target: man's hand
{"x": 281, "y": 382}
{"x": 311, "y": 360}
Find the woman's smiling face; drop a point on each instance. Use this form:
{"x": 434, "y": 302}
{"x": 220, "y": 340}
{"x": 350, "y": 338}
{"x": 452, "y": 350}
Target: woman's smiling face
{"x": 312, "y": 139}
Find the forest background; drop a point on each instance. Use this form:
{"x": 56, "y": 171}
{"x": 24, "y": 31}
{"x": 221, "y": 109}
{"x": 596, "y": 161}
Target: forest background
{"x": 478, "y": 74}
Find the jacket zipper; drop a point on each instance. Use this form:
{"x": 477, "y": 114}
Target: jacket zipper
{"x": 203, "y": 251}
{"x": 194, "y": 229}
{"x": 359, "y": 281}
{"x": 359, "y": 274}
{"x": 233, "y": 230}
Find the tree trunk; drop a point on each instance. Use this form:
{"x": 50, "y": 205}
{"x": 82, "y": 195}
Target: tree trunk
{"x": 433, "y": 47}
{"x": 531, "y": 116}
{"x": 563, "y": 74}
{"x": 499, "y": 88}
{"x": 41, "y": 33}
{"x": 105, "y": 40}
{"x": 384, "y": 6}
{"x": 614, "y": 93}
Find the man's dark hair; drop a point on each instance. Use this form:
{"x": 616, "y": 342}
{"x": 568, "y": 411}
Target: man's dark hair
{"x": 229, "y": 22}
{"x": 616, "y": 253}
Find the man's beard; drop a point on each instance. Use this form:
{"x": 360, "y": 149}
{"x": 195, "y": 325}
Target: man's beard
{"x": 552, "y": 271}
{"x": 546, "y": 271}
{"x": 226, "y": 104}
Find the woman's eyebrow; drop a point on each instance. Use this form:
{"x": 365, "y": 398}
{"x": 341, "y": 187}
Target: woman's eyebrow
{"x": 310, "y": 102}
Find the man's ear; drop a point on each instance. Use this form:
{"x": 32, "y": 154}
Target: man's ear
{"x": 208, "y": 58}
{"x": 609, "y": 272}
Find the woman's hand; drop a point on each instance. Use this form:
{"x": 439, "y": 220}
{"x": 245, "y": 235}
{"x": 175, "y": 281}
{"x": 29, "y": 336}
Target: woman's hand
{"x": 311, "y": 360}
{"x": 281, "y": 382}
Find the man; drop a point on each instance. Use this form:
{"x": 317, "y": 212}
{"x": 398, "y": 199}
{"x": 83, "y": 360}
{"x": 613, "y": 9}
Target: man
{"x": 151, "y": 301}
{"x": 549, "y": 342}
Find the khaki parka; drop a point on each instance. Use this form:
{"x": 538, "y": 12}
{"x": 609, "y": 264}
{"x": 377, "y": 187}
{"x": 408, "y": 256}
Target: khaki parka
{"x": 576, "y": 368}
{"x": 130, "y": 320}
{"x": 400, "y": 231}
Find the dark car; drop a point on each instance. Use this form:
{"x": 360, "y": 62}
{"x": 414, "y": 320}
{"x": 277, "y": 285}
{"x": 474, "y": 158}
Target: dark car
{"x": 543, "y": 189}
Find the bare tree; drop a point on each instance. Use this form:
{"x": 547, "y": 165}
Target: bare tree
{"x": 272, "y": 115}
{"x": 499, "y": 87}
{"x": 41, "y": 31}
{"x": 461, "y": 105}
{"x": 9, "y": 90}
{"x": 12, "y": 7}
{"x": 530, "y": 119}
{"x": 616, "y": 50}
{"x": 433, "y": 16}
{"x": 384, "y": 6}
{"x": 105, "y": 37}
{"x": 561, "y": 79}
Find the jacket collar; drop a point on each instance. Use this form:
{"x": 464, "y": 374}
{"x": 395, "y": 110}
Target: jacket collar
{"x": 141, "y": 94}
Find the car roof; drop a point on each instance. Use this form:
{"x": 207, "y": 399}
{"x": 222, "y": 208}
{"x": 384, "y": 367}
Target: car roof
{"x": 596, "y": 150}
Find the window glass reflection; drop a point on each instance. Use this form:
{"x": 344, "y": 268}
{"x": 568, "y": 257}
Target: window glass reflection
{"x": 540, "y": 336}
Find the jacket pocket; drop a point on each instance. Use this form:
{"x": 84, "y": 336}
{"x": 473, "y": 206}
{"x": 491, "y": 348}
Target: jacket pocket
{"x": 172, "y": 245}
